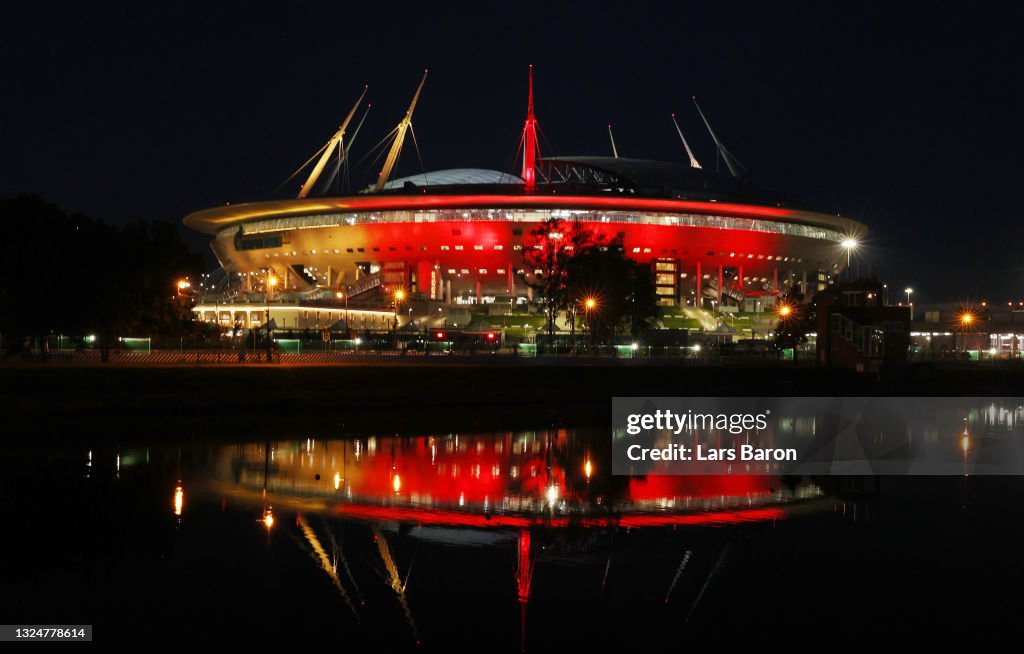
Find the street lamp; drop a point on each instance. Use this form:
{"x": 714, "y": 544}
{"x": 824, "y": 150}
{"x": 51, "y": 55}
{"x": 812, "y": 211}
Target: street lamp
{"x": 399, "y": 296}
{"x": 271, "y": 283}
{"x": 849, "y": 244}
{"x": 589, "y": 304}
{"x": 966, "y": 320}
{"x": 183, "y": 285}
{"x": 908, "y": 291}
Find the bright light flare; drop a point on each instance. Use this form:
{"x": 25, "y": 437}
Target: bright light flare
{"x": 183, "y": 284}
{"x": 552, "y": 494}
{"x": 785, "y": 311}
{"x": 588, "y": 468}
{"x": 850, "y": 243}
{"x": 268, "y": 518}
{"x": 966, "y": 318}
{"x": 590, "y": 303}
{"x": 272, "y": 281}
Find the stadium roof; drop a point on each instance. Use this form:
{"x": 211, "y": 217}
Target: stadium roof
{"x": 455, "y": 176}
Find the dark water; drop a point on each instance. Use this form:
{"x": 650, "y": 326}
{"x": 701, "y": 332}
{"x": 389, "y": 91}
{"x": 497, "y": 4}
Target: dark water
{"x": 492, "y": 541}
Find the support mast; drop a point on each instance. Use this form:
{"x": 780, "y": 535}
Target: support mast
{"x": 693, "y": 160}
{"x": 735, "y": 167}
{"x": 531, "y": 149}
{"x": 329, "y": 148}
{"x": 396, "y": 145}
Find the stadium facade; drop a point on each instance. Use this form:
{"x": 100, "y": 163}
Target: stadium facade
{"x": 458, "y": 236}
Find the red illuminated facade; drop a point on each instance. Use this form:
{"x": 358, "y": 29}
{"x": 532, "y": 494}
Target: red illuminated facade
{"x": 467, "y": 247}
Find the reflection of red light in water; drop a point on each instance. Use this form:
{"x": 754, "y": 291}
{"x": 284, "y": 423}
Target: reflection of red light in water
{"x": 671, "y": 486}
{"x": 476, "y": 471}
{"x": 465, "y": 476}
{"x": 458, "y": 519}
{"x": 525, "y": 574}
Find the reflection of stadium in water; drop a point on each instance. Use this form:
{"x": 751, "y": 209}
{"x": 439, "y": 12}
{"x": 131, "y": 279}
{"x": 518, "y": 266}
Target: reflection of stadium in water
{"x": 536, "y": 497}
{"x": 555, "y": 478}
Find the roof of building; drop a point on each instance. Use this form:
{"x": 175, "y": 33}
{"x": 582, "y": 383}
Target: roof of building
{"x": 455, "y": 177}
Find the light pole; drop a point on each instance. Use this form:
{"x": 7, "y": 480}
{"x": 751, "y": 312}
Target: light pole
{"x": 344, "y": 295}
{"x": 183, "y": 285}
{"x": 849, "y": 244}
{"x": 966, "y": 320}
{"x": 785, "y": 314}
{"x": 271, "y": 283}
{"x": 399, "y": 296}
{"x": 908, "y": 291}
{"x": 589, "y": 305}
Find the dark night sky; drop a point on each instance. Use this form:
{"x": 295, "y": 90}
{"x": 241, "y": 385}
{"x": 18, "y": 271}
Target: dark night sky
{"x": 908, "y": 122}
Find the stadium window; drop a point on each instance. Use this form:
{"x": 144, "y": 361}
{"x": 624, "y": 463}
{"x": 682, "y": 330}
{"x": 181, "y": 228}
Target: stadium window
{"x": 458, "y": 247}
{"x": 478, "y": 247}
{"x": 501, "y": 271}
{"x": 349, "y": 250}
{"x": 499, "y": 247}
{"x": 517, "y": 247}
{"x": 636, "y": 250}
{"x": 445, "y": 248}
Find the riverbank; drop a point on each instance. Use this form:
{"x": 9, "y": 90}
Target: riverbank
{"x": 54, "y": 403}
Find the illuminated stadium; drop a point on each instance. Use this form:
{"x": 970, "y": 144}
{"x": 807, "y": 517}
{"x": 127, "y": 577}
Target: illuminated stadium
{"x": 457, "y": 237}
